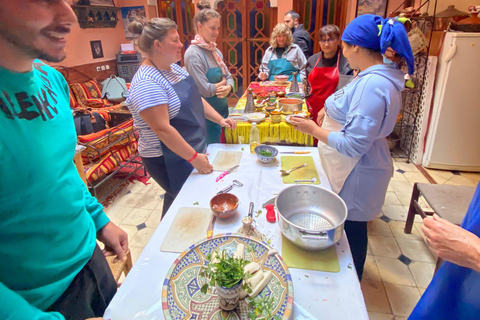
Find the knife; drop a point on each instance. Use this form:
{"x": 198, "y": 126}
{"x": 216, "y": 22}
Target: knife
{"x": 223, "y": 174}
{"x": 210, "y": 226}
{"x": 296, "y": 152}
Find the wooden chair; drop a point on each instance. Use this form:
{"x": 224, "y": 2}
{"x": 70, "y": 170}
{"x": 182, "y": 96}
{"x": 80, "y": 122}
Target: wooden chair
{"x": 447, "y": 201}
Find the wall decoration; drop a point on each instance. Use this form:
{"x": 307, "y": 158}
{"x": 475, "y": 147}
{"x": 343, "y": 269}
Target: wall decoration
{"x": 378, "y": 7}
{"x": 105, "y": 3}
{"x": 97, "y": 51}
{"x": 130, "y": 14}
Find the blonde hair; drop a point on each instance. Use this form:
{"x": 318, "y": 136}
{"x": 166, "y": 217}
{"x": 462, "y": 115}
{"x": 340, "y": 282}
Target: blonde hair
{"x": 279, "y": 29}
{"x": 203, "y": 4}
{"x": 149, "y": 31}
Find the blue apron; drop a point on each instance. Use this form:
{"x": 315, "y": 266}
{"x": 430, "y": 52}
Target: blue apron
{"x": 215, "y": 75}
{"x": 281, "y": 67}
{"x": 190, "y": 123}
{"x": 454, "y": 292}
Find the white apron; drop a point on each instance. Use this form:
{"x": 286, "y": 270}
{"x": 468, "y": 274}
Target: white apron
{"x": 337, "y": 166}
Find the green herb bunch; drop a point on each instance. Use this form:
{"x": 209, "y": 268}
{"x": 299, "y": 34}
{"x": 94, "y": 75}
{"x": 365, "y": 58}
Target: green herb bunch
{"x": 226, "y": 271}
{"x": 262, "y": 308}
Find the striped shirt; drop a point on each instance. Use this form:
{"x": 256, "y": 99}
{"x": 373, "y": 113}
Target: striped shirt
{"x": 150, "y": 88}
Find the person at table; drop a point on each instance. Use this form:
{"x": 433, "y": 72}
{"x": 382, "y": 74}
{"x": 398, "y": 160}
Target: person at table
{"x": 300, "y": 35}
{"x": 283, "y": 57}
{"x": 357, "y": 119}
{"x": 205, "y": 63}
{"x": 454, "y": 290}
{"x": 168, "y": 109}
{"x": 327, "y": 70}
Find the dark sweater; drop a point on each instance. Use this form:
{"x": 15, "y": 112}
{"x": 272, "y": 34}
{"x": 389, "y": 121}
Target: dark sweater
{"x": 303, "y": 39}
{"x": 343, "y": 66}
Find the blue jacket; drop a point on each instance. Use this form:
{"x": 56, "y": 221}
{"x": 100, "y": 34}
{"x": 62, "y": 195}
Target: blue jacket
{"x": 368, "y": 108}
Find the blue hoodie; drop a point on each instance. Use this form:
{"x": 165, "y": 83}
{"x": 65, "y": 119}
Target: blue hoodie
{"x": 368, "y": 108}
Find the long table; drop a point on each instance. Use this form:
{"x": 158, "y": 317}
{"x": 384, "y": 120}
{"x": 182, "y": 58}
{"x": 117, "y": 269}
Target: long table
{"x": 317, "y": 295}
{"x": 274, "y": 133}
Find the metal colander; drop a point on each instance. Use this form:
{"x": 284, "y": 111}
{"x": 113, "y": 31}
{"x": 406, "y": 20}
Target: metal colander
{"x": 310, "y": 216}
{"x": 310, "y": 221}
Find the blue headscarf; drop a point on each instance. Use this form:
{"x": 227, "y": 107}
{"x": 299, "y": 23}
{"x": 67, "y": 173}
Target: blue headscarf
{"x": 373, "y": 32}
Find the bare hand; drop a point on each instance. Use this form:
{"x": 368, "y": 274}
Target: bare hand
{"x": 320, "y": 117}
{"x": 228, "y": 123}
{"x": 223, "y": 91}
{"x": 115, "y": 240}
{"x": 221, "y": 83}
{"x": 303, "y": 125}
{"x": 452, "y": 243}
{"x": 202, "y": 164}
{"x": 262, "y": 76}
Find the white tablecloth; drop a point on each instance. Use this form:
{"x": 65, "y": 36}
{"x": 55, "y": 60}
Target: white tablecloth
{"x": 317, "y": 295}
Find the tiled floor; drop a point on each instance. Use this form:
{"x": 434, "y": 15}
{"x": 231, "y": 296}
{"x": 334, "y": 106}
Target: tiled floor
{"x": 399, "y": 266}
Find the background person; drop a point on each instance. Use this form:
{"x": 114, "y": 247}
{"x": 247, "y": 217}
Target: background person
{"x": 168, "y": 110}
{"x": 52, "y": 268}
{"x": 327, "y": 70}
{"x": 205, "y": 63}
{"x": 356, "y": 121}
{"x": 283, "y": 57}
{"x": 301, "y": 36}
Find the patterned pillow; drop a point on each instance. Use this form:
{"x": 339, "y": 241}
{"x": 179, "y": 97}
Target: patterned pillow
{"x": 88, "y": 94}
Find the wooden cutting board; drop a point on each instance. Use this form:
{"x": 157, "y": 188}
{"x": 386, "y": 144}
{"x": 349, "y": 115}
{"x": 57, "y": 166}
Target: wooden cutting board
{"x": 307, "y": 173}
{"x": 225, "y": 160}
{"x": 188, "y": 227}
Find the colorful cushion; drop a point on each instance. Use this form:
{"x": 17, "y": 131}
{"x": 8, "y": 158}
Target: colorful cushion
{"x": 88, "y": 94}
{"x": 96, "y": 143}
{"x": 110, "y": 161}
{"x": 73, "y": 102}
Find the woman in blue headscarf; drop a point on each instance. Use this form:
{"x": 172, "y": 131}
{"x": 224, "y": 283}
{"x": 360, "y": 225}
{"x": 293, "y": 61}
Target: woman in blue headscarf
{"x": 356, "y": 120}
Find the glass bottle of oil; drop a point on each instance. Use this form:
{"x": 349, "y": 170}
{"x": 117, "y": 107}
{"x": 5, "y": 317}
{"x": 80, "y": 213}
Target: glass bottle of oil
{"x": 254, "y": 137}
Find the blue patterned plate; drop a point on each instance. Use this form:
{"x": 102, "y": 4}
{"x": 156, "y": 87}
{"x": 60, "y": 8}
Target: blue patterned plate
{"x": 181, "y": 295}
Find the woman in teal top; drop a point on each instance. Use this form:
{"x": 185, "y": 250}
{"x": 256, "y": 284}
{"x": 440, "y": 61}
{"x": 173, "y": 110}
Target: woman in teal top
{"x": 204, "y": 62}
{"x": 283, "y": 57}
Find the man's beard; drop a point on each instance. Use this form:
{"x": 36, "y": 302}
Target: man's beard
{"x": 27, "y": 49}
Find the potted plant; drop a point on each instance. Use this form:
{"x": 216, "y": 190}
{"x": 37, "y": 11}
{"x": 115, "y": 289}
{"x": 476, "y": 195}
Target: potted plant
{"x": 226, "y": 273}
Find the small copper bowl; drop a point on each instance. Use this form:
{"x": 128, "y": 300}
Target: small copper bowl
{"x": 224, "y": 205}
{"x": 280, "y": 94}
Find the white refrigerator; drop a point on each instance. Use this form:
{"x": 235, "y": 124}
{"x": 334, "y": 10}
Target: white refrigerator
{"x": 453, "y": 138}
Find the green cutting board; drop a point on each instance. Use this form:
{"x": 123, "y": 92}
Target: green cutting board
{"x": 295, "y": 257}
{"x": 307, "y": 173}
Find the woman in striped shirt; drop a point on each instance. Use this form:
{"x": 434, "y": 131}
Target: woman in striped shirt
{"x": 168, "y": 110}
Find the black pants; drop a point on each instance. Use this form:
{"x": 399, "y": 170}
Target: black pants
{"x": 158, "y": 171}
{"x": 358, "y": 240}
{"x": 90, "y": 291}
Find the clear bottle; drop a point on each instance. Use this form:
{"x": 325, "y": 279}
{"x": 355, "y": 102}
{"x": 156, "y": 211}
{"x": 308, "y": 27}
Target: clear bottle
{"x": 254, "y": 137}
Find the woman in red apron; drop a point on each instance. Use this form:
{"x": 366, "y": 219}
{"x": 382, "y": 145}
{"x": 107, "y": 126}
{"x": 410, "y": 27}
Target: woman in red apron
{"x": 327, "y": 70}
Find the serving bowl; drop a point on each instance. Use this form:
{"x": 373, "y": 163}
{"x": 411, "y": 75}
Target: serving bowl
{"x": 224, "y": 205}
{"x": 261, "y": 151}
{"x": 290, "y": 105}
{"x": 281, "y": 79}
{"x": 255, "y": 117}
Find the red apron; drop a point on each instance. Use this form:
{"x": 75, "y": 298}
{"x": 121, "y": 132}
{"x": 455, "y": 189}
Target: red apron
{"x": 323, "y": 82}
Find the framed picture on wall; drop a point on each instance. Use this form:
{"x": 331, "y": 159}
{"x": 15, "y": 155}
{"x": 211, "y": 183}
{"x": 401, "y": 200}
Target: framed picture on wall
{"x": 104, "y": 3}
{"x": 97, "y": 51}
{"x": 378, "y": 7}
{"x": 130, "y": 14}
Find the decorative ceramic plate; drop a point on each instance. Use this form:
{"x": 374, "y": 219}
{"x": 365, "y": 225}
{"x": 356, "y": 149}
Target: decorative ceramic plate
{"x": 181, "y": 295}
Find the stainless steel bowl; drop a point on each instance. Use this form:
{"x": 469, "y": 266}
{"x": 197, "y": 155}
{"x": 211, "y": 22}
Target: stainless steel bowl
{"x": 311, "y": 217}
{"x": 290, "y": 104}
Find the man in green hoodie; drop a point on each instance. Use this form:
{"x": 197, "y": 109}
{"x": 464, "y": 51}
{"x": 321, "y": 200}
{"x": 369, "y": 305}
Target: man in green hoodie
{"x": 51, "y": 265}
